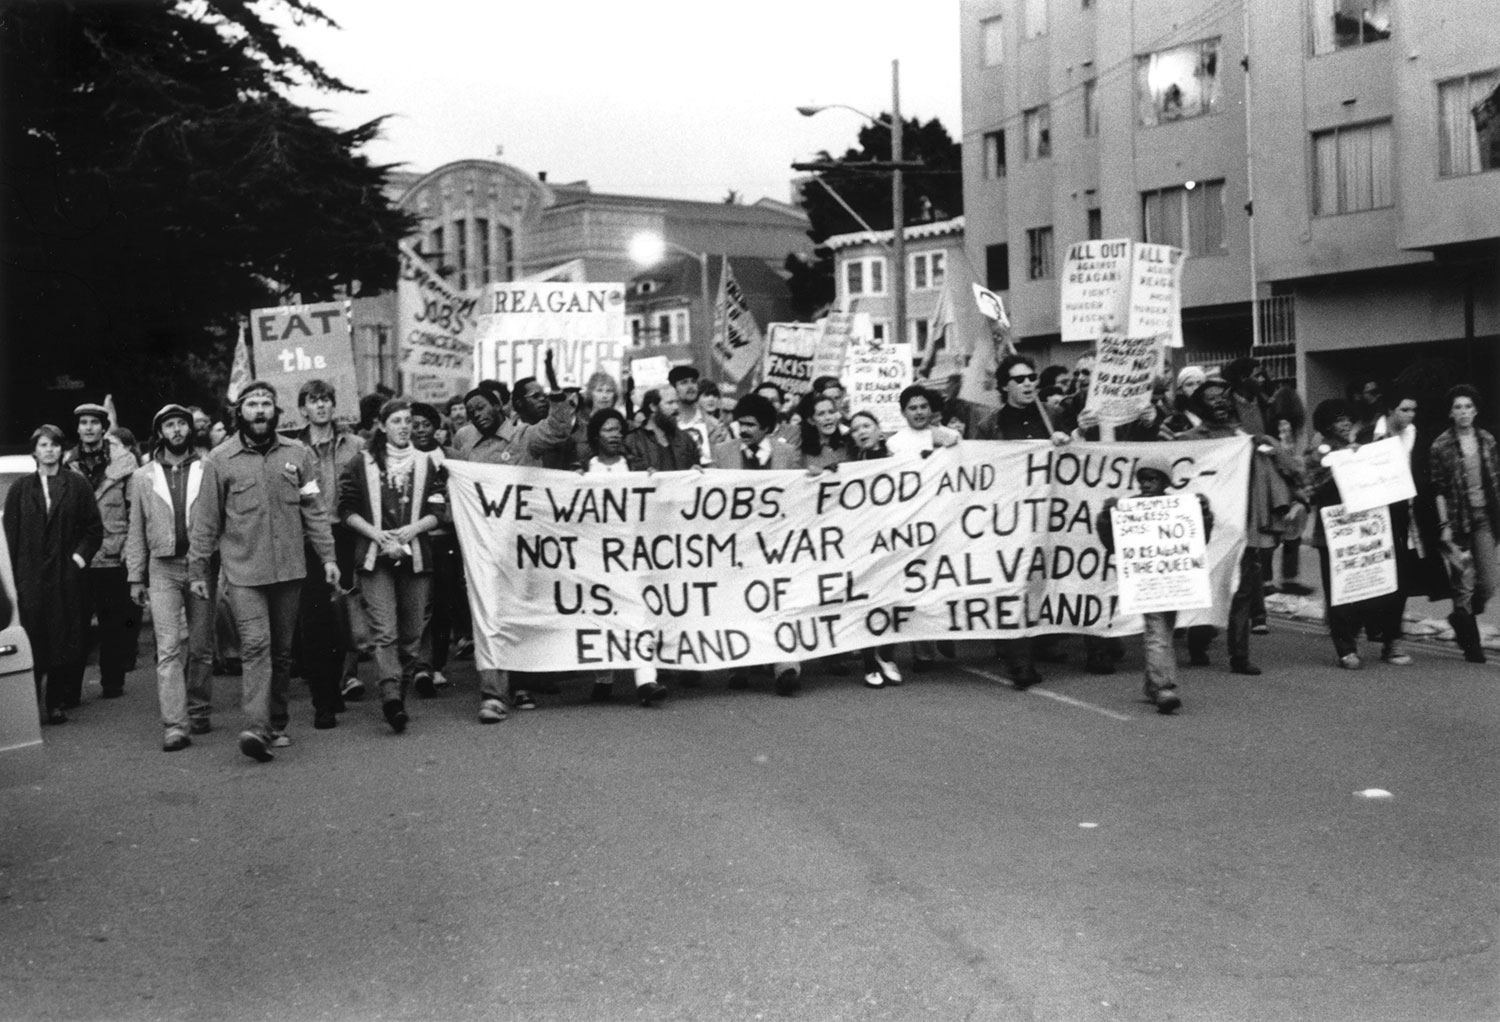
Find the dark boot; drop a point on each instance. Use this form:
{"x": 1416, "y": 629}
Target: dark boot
{"x": 1466, "y": 633}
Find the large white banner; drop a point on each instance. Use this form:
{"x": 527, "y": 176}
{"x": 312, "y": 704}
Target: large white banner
{"x": 435, "y": 325}
{"x": 699, "y": 570}
{"x": 578, "y": 329}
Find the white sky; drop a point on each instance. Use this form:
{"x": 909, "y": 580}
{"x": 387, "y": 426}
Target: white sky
{"x": 679, "y": 98}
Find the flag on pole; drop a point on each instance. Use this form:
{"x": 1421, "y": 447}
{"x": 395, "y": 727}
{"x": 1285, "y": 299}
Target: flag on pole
{"x": 240, "y": 371}
{"x": 739, "y": 346}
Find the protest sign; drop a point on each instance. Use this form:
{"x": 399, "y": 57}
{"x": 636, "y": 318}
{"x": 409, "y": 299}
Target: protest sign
{"x": 1361, "y": 553}
{"x": 698, "y": 570}
{"x": 990, "y": 305}
{"x": 1160, "y": 554}
{"x": 833, "y": 345}
{"x": 649, "y": 374}
{"x": 1095, "y": 288}
{"x": 877, "y": 373}
{"x": 1124, "y": 371}
{"x": 1372, "y": 475}
{"x": 435, "y": 325}
{"x": 297, "y": 343}
{"x": 790, "y": 351}
{"x": 581, "y": 326}
{"x": 738, "y": 343}
{"x": 1156, "y": 293}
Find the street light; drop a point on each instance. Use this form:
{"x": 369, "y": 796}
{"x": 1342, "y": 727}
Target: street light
{"x": 648, "y": 248}
{"x": 898, "y": 194}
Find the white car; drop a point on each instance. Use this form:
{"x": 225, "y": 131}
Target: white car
{"x": 13, "y": 467}
{"x": 20, "y": 725}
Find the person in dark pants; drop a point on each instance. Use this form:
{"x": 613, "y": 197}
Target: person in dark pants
{"x": 450, "y": 601}
{"x": 106, "y": 465}
{"x": 52, "y": 531}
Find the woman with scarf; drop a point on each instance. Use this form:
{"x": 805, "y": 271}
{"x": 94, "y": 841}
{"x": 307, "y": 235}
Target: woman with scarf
{"x": 391, "y": 499}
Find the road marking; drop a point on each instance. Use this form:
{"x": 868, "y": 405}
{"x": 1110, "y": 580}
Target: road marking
{"x": 1058, "y": 697}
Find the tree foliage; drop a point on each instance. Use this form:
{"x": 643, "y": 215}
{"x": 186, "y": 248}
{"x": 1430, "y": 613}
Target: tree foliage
{"x": 932, "y": 194}
{"x": 157, "y": 185}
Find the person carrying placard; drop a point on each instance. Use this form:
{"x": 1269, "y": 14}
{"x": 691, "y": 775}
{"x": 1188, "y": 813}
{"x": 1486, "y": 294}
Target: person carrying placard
{"x": 1153, "y": 476}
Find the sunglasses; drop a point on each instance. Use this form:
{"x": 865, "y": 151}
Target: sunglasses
{"x": 1023, "y": 378}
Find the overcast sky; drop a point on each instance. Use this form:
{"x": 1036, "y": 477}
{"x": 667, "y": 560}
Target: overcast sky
{"x": 683, "y": 98}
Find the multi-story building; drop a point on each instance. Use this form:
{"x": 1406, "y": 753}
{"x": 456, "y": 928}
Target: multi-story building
{"x": 1344, "y": 127}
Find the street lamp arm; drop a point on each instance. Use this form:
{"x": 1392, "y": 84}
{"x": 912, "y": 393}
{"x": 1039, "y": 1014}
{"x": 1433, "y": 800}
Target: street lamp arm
{"x": 809, "y": 111}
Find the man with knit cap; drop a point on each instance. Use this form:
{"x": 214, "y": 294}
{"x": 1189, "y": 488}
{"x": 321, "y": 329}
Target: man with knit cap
{"x": 106, "y": 463}
{"x": 163, "y": 498}
{"x": 260, "y": 502}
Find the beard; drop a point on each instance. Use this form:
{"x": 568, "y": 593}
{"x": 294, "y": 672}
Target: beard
{"x": 260, "y": 429}
{"x": 177, "y": 450}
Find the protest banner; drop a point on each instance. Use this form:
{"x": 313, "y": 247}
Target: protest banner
{"x": 791, "y": 349}
{"x": 698, "y": 570}
{"x": 833, "y": 345}
{"x": 738, "y": 343}
{"x": 1125, "y": 369}
{"x": 1372, "y": 475}
{"x": 581, "y": 326}
{"x": 649, "y": 373}
{"x": 1095, "y": 293}
{"x": 1156, "y": 293}
{"x": 1361, "y": 553}
{"x": 877, "y": 373}
{"x": 297, "y": 343}
{"x": 435, "y": 327}
{"x": 1160, "y": 554}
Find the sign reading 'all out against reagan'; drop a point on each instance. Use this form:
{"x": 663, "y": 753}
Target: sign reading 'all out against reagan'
{"x": 696, "y": 570}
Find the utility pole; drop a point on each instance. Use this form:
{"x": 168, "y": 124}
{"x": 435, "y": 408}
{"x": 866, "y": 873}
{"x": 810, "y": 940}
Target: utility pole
{"x": 898, "y": 204}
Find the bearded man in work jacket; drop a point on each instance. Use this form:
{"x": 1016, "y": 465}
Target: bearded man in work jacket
{"x": 756, "y": 450}
{"x": 540, "y": 437}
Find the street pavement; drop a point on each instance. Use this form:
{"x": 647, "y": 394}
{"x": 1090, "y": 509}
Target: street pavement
{"x": 950, "y": 849}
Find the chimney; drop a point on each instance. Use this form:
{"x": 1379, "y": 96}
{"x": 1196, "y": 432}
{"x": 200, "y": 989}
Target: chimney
{"x": 541, "y": 176}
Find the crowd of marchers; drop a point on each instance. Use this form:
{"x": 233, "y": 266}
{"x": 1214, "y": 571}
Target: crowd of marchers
{"x": 327, "y": 552}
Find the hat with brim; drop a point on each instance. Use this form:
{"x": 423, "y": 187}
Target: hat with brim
{"x": 679, "y": 373}
{"x": 169, "y": 412}
{"x": 97, "y": 411}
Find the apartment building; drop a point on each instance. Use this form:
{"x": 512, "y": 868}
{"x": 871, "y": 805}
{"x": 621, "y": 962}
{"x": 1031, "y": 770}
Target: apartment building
{"x": 1317, "y": 159}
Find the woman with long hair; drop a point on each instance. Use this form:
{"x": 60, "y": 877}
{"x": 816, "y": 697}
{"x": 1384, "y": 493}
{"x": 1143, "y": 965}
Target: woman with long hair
{"x": 390, "y": 498}
{"x": 823, "y": 442}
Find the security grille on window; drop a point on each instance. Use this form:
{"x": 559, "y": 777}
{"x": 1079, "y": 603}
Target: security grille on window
{"x": 1175, "y": 84}
{"x": 1469, "y": 124}
{"x": 1352, "y": 169}
{"x": 1038, "y": 253}
{"x": 1038, "y": 124}
{"x": 994, "y": 41}
{"x": 1340, "y": 24}
{"x": 994, "y": 154}
{"x": 1189, "y": 217}
{"x": 927, "y": 270}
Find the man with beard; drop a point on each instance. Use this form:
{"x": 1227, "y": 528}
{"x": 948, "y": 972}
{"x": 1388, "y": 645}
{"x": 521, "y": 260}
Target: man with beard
{"x": 261, "y": 502}
{"x": 163, "y": 495}
{"x": 660, "y": 445}
{"x": 106, "y": 463}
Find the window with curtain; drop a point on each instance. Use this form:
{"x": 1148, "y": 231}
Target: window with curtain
{"x": 1189, "y": 217}
{"x": 992, "y": 30}
{"x": 994, "y": 154}
{"x": 1038, "y": 253}
{"x": 1173, "y": 85}
{"x": 1340, "y": 24}
{"x": 926, "y": 271}
{"x": 1352, "y": 169}
{"x": 1463, "y": 105}
{"x": 1038, "y": 124}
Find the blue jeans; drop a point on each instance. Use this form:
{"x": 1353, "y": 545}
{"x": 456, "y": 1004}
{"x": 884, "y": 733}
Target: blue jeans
{"x": 266, "y": 617}
{"x": 184, "y": 670}
{"x": 398, "y": 604}
{"x": 1161, "y": 658}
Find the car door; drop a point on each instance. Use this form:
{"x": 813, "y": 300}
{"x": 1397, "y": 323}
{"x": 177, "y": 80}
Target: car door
{"x": 20, "y": 726}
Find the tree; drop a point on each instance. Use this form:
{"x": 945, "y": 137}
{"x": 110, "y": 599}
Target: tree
{"x": 932, "y": 194}
{"x": 158, "y": 184}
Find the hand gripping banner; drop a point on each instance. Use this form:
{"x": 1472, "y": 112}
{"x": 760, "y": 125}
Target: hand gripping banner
{"x": 709, "y": 569}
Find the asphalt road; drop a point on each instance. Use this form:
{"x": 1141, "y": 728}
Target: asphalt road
{"x": 952, "y": 849}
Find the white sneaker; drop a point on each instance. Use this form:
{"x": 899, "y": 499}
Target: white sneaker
{"x": 439, "y": 681}
{"x": 353, "y": 688}
{"x": 888, "y": 668}
{"x": 492, "y": 711}
{"x": 279, "y": 740}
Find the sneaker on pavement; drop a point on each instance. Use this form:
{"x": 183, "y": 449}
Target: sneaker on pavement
{"x": 1393, "y": 655}
{"x": 440, "y": 680}
{"x": 353, "y": 689}
{"x": 888, "y": 670}
{"x": 395, "y": 714}
{"x": 325, "y": 720}
{"x": 874, "y": 679}
{"x": 521, "y": 700}
{"x": 422, "y": 682}
{"x": 256, "y": 746}
{"x": 1260, "y": 628}
{"x": 1244, "y": 667}
{"x": 1350, "y": 662}
{"x": 787, "y": 683}
{"x": 176, "y": 740}
{"x": 280, "y": 740}
{"x": 651, "y": 692}
{"x": 1167, "y": 701}
{"x": 492, "y": 711}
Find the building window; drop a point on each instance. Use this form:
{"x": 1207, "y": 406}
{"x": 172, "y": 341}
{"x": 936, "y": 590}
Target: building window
{"x": 927, "y": 270}
{"x": 1464, "y": 104}
{"x": 1090, "y": 109}
{"x": 1035, "y": 18}
{"x": 1189, "y": 217}
{"x": 879, "y": 329}
{"x": 435, "y": 253}
{"x": 1352, "y": 169}
{"x": 994, "y": 155}
{"x": 1096, "y": 224}
{"x": 1175, "y": 84}
{"x": 1039, "y": 253}
{"x": 919, "y": 333}
{"x": 997, "y": 267}
{"x": 482, "y": 238}
{"x": 1038, "y": 122}
{"x": 864, "y": 276}
{"x": 669, "y": 327}
{"x": 1340, "y": 24}
{"x": 507, "y": 253}
{"x": 461, "y": 253}
{"x": 994, "y": 42}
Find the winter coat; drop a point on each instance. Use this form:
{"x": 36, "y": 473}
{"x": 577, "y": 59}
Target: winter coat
{"x": 113, "y": 499}
{"x": 49, "y": 583}
{"x": 360, "y": 494}
{"x": 153, "y": 528}
{"x": 644, "y": 454}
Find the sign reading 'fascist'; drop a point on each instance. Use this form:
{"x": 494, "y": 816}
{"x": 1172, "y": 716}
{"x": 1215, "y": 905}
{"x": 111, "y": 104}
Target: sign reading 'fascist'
{"x": 697, "y": 570}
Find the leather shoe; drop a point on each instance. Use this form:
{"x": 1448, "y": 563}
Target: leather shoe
{"x": 787, "y": 683}
{"x": 325, "y": 720}
{"x": 651, "y": 692}
{"x": 395, "y": 714}
{"x": 1244, "y": 667}
{"x": 1023, "y": 680}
